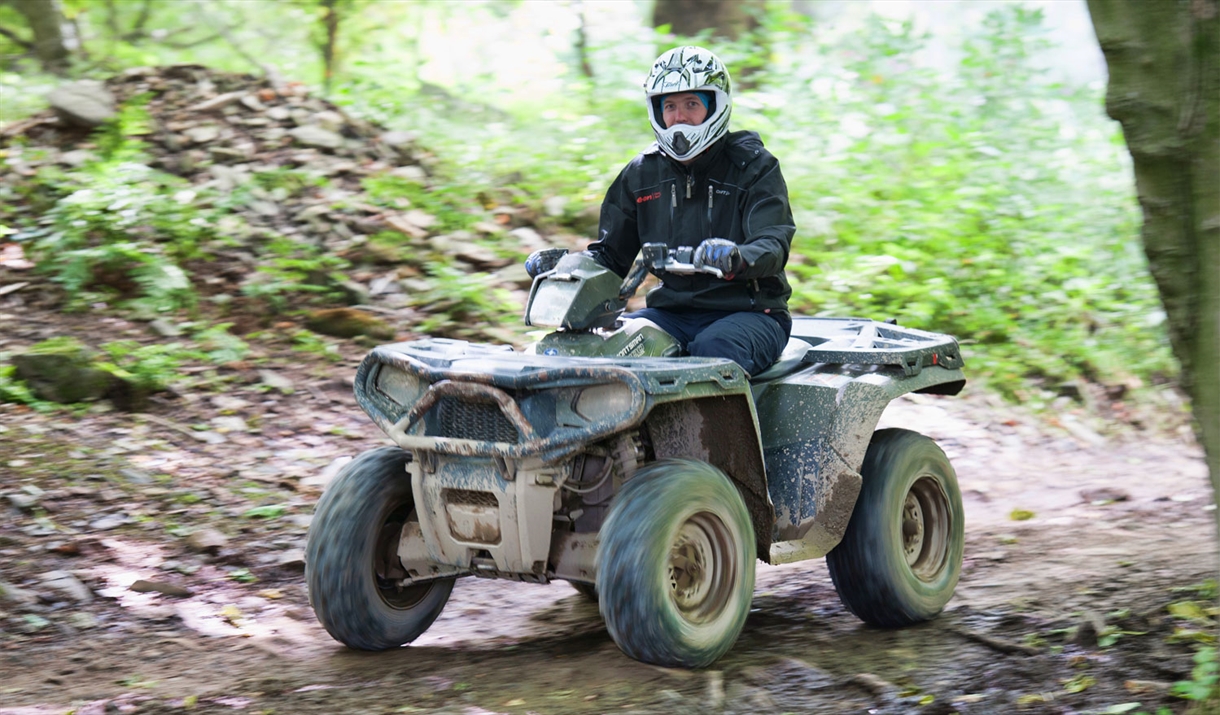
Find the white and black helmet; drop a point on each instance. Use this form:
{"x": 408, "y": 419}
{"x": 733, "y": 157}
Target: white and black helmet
{"x": 689, "y": 69}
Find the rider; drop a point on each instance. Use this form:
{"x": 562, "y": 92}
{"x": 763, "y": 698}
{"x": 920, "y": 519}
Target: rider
{"x": 721, "y": 192}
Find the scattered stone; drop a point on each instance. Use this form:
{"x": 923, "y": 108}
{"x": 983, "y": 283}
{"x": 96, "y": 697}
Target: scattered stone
{"x": 311, "y": 135}
{"x": 161, "y": 587}
{"x": 107, "y": 522}
{"x": 1091, "y": 625}
{"x": 135, "y": 476}
{"x": 228, "y": 403}
{"x": 61, "y": 370}
{"x": 348, "y": 323}
{"x": 230, "y": 424}
{"x": 327, "y": 474}
{"x": 203, "y": 134}
{"x": 24, "y": 502}
{"x": 1104, "y": 495}
{"x": 165, "y": 328}
{"x": 207, "y": 541}
{"x": 82, "y": 620}
{"x": 31, "y": 623}
{"x": 67, "y": 584}
{"x": 20, "y": 596}
{"x": 293, "y": 560}
{"x": 276, "y": 381}
{"x": 86, "y": 103}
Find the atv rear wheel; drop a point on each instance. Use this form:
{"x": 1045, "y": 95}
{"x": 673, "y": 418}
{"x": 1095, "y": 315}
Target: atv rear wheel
{"x": 675, "y": 565}
{"x": 351, "y": 557}
{"x": 899, "y": 561}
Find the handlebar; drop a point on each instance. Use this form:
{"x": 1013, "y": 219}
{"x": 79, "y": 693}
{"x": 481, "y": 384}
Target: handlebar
{"x": 658, "y": 258}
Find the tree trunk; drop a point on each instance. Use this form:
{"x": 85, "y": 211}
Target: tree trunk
{"x": 1164, "y": 60}
{"x": 726, "y": 18}
{"x": 46, "y": 21}
{"x": 330, "y": 25}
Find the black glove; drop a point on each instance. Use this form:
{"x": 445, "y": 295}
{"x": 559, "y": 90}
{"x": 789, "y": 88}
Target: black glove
{"x": 719, "y": 253}
{"x": 544, "y": 260}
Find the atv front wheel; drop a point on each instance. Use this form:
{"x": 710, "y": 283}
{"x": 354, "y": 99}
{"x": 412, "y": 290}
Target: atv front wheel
{"x": 899, "y": 561}
{"x": 351, "y": 557}
{"x": 675, "y": 565}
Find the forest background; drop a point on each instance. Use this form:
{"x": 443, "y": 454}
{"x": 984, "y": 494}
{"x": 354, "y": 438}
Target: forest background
{"x": 965, "y": 182}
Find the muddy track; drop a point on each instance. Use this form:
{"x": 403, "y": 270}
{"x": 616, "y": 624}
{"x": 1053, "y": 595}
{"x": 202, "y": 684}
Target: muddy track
{"x": 1068, "y": 610}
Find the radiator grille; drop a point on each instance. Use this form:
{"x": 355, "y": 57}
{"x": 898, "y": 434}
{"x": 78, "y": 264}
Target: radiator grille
{"x": 463, "y": 419}
{"x": 472, "y": 498}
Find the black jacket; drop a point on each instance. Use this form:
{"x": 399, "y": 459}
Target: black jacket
{"x": 734, "y": 190}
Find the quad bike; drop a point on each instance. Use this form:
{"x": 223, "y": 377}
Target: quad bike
{"x": 648, "y": 480}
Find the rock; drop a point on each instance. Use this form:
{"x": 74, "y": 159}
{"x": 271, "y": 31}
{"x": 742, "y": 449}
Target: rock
{"x": 217, "y": 102}
{"x": 67, "y": 584}
{"x": 165, "y": 328}
{"x": 311, "y": 135}
{"x": 86, "y": 103}
{"x": 293, "y": 560}
{"x": 410, "y": 172}
{"x": 329, "y": 120}
{"x": 61, "y": 370}
{"x": 228, "y": 403}
{"x": 1104, "y": 495}
{"x": 398, "y": 139}
{"x": 161, "y": 587}
{"x": 77, "y": 157}
{"x": 83, "y": 620}
{"x": 23, "y": 502}
{"x": 348, "y": 323}
{"x": 207, "y": 541}
{"x": 203, "y": 134}
{"x": 19, "y": 596}
{"x": 528, "y": 240}
{"x": 514, "y": 273}
{"x": 1088, "y": 629}
{"x": 326, "y": 475}
{"x": 230, "y": 424}
{"x": 107, "y": 522}
{"x": 276, "y": 381}
{"x": 136, "y": 476}
{"x": 553, "y": 206}
{"x": 480, "y": 257}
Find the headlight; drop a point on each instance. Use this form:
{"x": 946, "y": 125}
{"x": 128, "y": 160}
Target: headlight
{"x": 603, "y": 401}
{"x": 399, "y": 385}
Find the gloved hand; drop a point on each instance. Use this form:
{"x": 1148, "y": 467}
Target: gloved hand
{"x": 540, "y": 262}
{"x": 719, "y": 253}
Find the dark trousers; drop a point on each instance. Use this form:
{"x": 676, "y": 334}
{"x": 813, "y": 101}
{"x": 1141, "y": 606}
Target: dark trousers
{"x": 752, "y": 340}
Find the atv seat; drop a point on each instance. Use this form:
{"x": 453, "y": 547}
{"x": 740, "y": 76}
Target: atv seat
{"x": 789, "y": 361}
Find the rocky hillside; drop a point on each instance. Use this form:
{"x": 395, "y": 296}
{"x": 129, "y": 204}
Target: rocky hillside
{"x": 289, "y": 184}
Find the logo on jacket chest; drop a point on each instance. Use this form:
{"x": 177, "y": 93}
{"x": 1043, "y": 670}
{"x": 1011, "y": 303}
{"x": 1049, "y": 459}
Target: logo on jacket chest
{"x": 647, "y": 197}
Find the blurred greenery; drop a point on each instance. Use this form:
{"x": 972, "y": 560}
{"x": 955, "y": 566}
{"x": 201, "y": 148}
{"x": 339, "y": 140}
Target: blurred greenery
{"x": 978, "y": 198}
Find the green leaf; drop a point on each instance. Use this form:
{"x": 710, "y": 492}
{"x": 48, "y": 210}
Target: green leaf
{"x": 266, "y": 512}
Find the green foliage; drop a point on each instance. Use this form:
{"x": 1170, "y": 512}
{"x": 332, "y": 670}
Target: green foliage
{"x": 1204, "y": 678}
{"x": 117, "y": 228}
{"x": 458, "y": 303}
{"x": 989, "y": 204}
{"x": 218, "y": 345}
{"x": 15, "y": 391}
{"x": 979, "y": 199}
{"x": 290, "y": 268}
{"x": 149, "y": 367}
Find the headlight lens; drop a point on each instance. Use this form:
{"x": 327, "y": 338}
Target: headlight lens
{"x": 399, "y": 385}
{"x": 603, "y": 401}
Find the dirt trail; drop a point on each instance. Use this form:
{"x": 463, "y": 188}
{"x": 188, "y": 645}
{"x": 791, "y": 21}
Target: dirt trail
{"x": 1063, "y": 612}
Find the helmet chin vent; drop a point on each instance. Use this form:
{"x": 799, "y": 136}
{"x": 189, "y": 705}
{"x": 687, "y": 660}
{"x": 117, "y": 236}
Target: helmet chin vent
{"x": 681, "y": 145}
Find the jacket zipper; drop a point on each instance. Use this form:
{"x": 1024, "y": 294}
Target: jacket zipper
{"x": 673, "y": 198}
{"x": 690, "y": 180}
